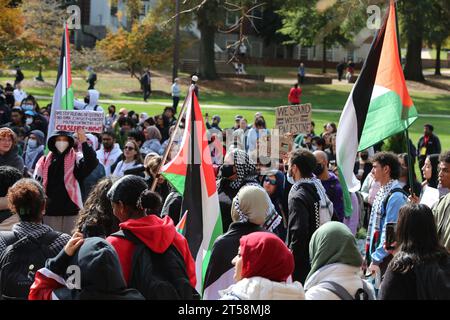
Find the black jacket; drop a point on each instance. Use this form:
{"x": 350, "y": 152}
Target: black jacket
{"x": 172, "y": 206}
{"x": 59, "y": 202}
{"x": 432, "y": 147}
{"x": 225, "y": 248}
{"x": 5, "y": 112}
{"x": 12, "y": 159}
{"x": 226, "y": 195}
{"x": 301, "y": 225}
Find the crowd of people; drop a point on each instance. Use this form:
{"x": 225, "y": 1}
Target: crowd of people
{"x": 84, "y": 199}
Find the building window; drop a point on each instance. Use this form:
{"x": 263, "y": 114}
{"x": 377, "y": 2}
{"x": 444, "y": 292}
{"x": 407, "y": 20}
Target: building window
{"x": 351, "y": 55}
{"x": 304, "y": 53}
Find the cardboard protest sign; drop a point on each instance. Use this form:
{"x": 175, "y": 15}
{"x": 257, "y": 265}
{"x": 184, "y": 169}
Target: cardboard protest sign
{"x": 294, "y": 119}
{"x": 71, "y": 120}
{"x": 286, "y": 144}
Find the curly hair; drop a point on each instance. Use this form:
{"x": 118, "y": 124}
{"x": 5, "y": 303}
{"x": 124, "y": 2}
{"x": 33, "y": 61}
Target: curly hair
{"x": 389, "y": 159}
{"x": 27, "y": 199}
{"x": 97, "y": 218}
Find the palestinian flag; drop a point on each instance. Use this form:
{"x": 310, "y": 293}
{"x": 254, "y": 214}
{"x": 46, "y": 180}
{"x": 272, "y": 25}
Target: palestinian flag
{"x": 192, "y": 174}
{"x": 63, "y": 94}
{"x": 378, "y": 107}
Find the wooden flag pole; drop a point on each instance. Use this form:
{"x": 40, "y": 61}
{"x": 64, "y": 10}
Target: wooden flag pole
{"x": 172, "y": 138}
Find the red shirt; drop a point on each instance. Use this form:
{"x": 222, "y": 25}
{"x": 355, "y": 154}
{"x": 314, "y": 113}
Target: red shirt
{"x": 294, "y": 95}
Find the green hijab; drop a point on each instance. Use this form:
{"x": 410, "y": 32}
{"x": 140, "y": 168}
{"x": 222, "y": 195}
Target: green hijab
{"x": 333, "y": 243}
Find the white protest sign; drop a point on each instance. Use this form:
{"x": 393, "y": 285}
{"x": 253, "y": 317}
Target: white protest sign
{"x": 294, "y": 119}
{"x": 71, "y": 120}
{"x": 429, "y": 196}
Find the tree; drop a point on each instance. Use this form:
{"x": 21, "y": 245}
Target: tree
{"x": 11, "y": 28}
{"x": 146, "y": 45}
{"x": 44, "y": 20}
{"x": 311, "y": 22}
{"x": 438, "y": 28}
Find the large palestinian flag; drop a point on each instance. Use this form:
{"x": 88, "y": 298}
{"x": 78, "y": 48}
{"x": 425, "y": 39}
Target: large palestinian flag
{"x": 192, "y": 174}
{"x": 378, "y": 107}
{"x": 63, "y": 94}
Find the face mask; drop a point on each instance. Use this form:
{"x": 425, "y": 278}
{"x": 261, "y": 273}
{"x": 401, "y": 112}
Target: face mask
{"x": 61, "y": 146}
{"x": 32, "y": 144}
{"x": 27, "y": 107}
{"x": 290, "y": 178}
{"x": 314, "y": 147}
{"x": 29, "y": 121}
{"x": 319, "y": 169}
{"x": 227, "y": 170}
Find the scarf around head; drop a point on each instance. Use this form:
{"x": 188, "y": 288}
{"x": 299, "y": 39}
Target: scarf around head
{"x": 265, "y": 255}
{"x": 251, "y": 204}
{"x": 332, "y": 243}
{"x": 246, "y": 169}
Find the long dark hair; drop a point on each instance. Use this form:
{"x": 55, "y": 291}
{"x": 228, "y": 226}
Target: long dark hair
{"x": 417, "y": 237}
{"x": 434, "y": 181}
{"x": 97, "y": 218}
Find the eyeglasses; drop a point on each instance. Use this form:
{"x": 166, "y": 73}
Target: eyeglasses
{"x": 129, "y": 148}
{"x": 271, "y": 181}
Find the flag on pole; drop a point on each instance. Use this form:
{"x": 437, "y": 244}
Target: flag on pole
{"x": 378, "y": 107}
{"x": 192, "y": 174}
{"x": 63, "y": 94}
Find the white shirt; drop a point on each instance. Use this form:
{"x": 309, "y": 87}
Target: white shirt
{"x": 122, "y": 167}
{"x": 107, "y": 159}
{"x": 19, "y": 95}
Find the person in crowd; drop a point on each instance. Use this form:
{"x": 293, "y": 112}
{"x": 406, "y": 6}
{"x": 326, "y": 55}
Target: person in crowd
{"x": 34, "y": 150}
{"x": 248, "y": 213}
{"x": 295, "y": 94}
{"x": 237, "y": 122}
{"x": 131, "y": 158}
{"x": 335, "y": 265}
{"x": 257, "y": 132}
{"x": 441, "y": 210}
{"x": 122, "y": 129}
{"x": 420, "y": 269}
{"x": 317, "y": 143}
{"x": 416, "y": 187}
{"x": 100, "y": 273}
{"x": 429, "y": 143}
{"x": 92, "y": 78}
{"x": 96, "y": 219}
{"x": 5, "y": 109}
{"x": 39, "y": 122}
{"x": 176, "y": 93}
{"x": 194, "y": 81}
{"x": 274, "y": 185}
{"x": 98, "y": 173}
{"x": 17, "y": 120}
{"x": 152, "y": 141}
{"x": 172, "y": 204}
{"x": 340, "y": 69}
{"x": 169, "y": 117}
{"x": 331, "y": 184}
{"x": 109, "y": 151}
{"x": 8, "y": 177}
{"x": 388, "y": 201}
{"x": 19, "y": 76}
{"x": 146, "y": 84}
{"x": 19, "y": 94}
{"x": 137, "y": 136}
{"x": 8, "y": 150}
{"x": 363, "y": 166}
{"x": 152, "y": 166}
{"x": 62, "y": 175}
{"x": 26, "y": 199}
{"x": 157, "y": 235}
{"x": 9, "y": 95}
{"x": 237, "y": 171}
{"x": 150, "y": 121}
{"x": 350, "y": 70}
{"x": 111, "y": 117}
{"x": 301, "y": 73}
{"x": 369, "y": 190}
{"x": 430, "y": 171}
{"x": 215, "y": 123}
{"x": 306, "y": 199}
{"x": 90, "y": 102}
{"x": 262, "y": 266}
{"x": 163, "y": 128}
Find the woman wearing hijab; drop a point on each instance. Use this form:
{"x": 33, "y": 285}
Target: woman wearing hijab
{"x": 262, "y": 266}
{"x": 335, "y": 265}
{"x": 237, "y": 171}
{"x": 274, "y": 186}
{"x": 248, "y": 212}
{"x": 152, "y": 141}
{"x": 34, "y": 150}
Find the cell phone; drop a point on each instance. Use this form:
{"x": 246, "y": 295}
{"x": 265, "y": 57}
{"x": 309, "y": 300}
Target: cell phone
{"x": 391, "y": 228}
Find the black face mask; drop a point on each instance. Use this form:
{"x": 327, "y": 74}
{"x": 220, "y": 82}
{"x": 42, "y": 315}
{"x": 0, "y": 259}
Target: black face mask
{"x": 86, "y": 100}
{"x": 227, "y": 170}
{"x": 319, "y": 169}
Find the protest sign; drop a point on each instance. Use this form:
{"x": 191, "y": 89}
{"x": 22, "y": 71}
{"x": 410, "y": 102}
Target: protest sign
{"x": 71, "y": 120}
{"x": 429, "y": 196}
{"x": 286, "y": 143}
{"x": 294, "y": 119}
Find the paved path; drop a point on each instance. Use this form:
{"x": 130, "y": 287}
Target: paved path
{"x": 214, "y": 106}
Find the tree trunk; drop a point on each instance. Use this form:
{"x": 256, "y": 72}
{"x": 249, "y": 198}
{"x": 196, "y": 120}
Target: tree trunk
{"x": 207, "y": 54}
{"x": 290, "y": 51}
{"x": 324, "y": 56}
{"x": 437, "y": 67}
{"x": 414, "y": 29}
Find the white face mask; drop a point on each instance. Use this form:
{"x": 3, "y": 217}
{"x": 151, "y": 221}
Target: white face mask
{"x": 290, "y": 179}
{"x": 32, "y": 144}
{"x": 61, "y": 146}
{"x": 29, "y": 121}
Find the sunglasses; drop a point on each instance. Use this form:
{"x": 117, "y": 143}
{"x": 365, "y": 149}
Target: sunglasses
{"x": 129, "y": 148}
{"x": 272, "y": 182}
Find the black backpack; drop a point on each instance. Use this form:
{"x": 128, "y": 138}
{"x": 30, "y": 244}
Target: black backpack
{"x": 386, "y": 200}
{"x": 158, "y": 276}
{"x": 20, "y": 261}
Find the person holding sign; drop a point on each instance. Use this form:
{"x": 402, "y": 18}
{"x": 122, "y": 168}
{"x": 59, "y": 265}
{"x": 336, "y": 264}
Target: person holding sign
{"x": 295, "y": 94}
{"x": 61, "y": 174}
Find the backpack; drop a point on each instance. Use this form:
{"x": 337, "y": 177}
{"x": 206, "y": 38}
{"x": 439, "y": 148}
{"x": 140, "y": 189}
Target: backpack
{"x": 363, "y": 293}
{"x": 386, "y": 200}
{"x": 157, "y": 276}
{"x": 20, "y": 261}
